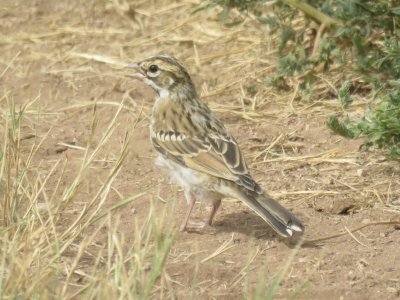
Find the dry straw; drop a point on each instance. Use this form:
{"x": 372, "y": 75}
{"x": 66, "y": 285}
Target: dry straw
{"x": 61, "y": 233}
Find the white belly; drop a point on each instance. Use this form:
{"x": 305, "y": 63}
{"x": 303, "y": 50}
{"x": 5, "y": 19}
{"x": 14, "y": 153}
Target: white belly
{"x": 191, "y": 181}
{"x": 183, "y": 176}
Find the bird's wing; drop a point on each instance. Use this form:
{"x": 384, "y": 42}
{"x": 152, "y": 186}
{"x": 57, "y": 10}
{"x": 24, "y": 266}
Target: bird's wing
{"x": 215, "y": 154}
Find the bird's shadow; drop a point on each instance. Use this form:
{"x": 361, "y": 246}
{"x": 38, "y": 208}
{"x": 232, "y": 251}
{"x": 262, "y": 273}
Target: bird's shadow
{"x": 253, "y": 226}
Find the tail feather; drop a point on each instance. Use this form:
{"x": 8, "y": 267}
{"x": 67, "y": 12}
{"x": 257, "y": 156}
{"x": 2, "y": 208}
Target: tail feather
{"x": 278, "y": 217}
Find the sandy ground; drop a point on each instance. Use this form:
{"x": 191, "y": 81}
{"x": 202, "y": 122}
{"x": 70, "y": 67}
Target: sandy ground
{"x": 325, "y": 180}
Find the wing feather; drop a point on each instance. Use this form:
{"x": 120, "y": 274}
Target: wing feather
{"x": 217, "y": 155}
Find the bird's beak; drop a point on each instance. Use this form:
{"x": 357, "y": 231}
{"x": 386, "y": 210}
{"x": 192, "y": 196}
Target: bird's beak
{"x": 139, "y": 74}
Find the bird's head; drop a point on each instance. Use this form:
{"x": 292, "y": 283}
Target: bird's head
{"x": 166, "y": 75}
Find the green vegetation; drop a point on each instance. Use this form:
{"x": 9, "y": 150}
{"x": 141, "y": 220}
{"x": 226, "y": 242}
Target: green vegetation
{"x": 360, "y": 36}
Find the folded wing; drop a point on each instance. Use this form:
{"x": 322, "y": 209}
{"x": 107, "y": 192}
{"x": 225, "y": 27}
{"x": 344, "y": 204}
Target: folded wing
{"x": 217, "y": 155}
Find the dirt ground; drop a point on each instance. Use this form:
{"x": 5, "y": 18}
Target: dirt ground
{"x": 325, "y": 180}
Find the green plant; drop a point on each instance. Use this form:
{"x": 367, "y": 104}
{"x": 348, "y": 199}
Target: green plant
{"x": 356, "y": 35}
{"x": 380, "y": 125}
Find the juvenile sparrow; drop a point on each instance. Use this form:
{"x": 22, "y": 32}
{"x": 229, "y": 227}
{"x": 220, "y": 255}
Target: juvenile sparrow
{"x": 200, "y": 154}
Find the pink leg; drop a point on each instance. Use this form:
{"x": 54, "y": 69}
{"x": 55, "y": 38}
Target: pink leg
{"x": 216, "y": 205}
{"x": 191, "y": 205}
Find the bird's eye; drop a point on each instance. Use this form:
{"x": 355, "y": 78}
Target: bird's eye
{"x": 153, "y": 68}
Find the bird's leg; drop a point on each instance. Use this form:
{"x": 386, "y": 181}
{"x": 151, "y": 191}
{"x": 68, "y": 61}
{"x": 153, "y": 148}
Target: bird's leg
{"x": 189, "y": 211}
{"x": 216, "y": 204}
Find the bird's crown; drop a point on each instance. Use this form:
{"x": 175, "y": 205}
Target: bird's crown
{"x": 155, "y": 65}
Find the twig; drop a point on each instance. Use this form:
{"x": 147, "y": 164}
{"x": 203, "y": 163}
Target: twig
{"x": 354, "y": 238}
{"x": 71, "y": 146}
{"x": 329, "y": 237}
{"x": 266, "y": 150}
{"x": 314, "y": 13}
{"x": 318, "y": 39}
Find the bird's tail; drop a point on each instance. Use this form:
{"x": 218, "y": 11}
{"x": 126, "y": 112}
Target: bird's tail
{"x": 278, "y": 217}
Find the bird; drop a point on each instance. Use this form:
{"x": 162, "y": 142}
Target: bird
{"x": 195, "y": 147}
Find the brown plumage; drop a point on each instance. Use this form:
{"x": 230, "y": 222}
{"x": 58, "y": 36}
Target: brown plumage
{"x": 194, "y": 145}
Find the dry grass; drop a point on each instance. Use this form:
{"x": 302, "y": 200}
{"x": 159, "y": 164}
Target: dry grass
{"x": 61, "y": 235}
{"x": 43, "y": 255}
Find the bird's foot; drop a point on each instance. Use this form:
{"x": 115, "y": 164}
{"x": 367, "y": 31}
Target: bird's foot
{"x": 199, "y": 224}
{"x": 194, "y": 225}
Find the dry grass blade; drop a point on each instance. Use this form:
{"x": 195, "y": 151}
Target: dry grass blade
{"x": 324, "y": 157}
{"x": 317, "y": 192}
{"x": 120, "y": 204}
{"x": 84, "y": 104}
{"x": 224, "y": 247}
{"x": 9, "y": 64}
{"x": 99, "y": 58}
{"x": 244, "y": 272}
{"x": 72, "y": 146}
{"x": 266, "y": 150}
{"x": 89, "y": 157}
{"x": 333, "y": 236}
{"x": 354, "y": 238}
{"x": 278, "y": 278}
